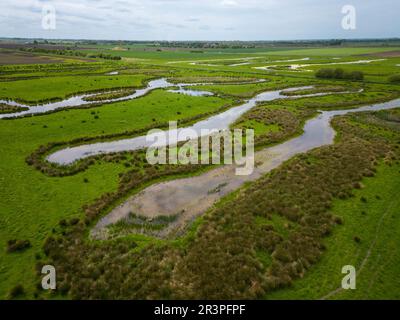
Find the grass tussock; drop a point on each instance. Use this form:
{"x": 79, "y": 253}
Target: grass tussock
{"x": 6, "y": 108}
{"x": 15, "y": 245}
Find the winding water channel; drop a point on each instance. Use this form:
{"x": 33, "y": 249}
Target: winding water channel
{"x": 301, "y": 66}
{"x": 215, "y": 123}
{"x": 81, "y": 100}
{"x": 188, "y": 198}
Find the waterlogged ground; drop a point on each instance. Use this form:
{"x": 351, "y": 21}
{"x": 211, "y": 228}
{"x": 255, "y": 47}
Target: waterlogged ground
{"x": 215, "y": 123}
{"x": 82, "y": 100}
{"x": 188, "y": 198}
{"x": 34, "y": 205}
{"x": 301, "y": 66}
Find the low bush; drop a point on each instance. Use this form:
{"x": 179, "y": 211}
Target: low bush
{"x": 394, "y": 78}
{"x": 16, "y": 291}
{"x": 17, "y": 245}
{"x": 338, "y": 73}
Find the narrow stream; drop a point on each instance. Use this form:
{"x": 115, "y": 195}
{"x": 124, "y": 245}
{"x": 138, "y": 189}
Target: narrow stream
{"x": 80, "y": 100}
{"x": 300, "y": 66}
{"x": 187, "y": 198}
{"x": 215, "y": 123}
{"x": 190, "y": 197}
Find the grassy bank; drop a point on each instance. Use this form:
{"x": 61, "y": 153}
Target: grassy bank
{"x": 376, "y": 222}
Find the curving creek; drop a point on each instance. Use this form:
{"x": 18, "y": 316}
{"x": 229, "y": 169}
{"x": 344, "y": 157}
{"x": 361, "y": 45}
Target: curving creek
{"x": 188, "y": 198}
{"x": 81, "y": 100}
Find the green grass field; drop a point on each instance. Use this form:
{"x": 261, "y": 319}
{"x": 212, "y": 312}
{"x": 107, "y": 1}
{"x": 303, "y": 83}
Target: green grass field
{"x": 32, "y": 203}
{"x": 376, "y": 223}
{"x": 62, "y": 87}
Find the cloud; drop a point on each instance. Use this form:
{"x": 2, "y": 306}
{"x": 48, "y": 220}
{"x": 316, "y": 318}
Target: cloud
{"x": 229, "y": 3}
{"x": 194, "y": 19}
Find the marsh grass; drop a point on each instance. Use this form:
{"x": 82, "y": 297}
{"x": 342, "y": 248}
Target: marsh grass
{"x": 5, "y": 108}
{"x": 137, "y": 223}
{"x": 240, "y": 257}
{"x": 140, "y": 266}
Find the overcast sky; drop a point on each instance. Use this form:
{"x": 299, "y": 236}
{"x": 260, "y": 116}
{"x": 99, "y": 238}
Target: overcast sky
{"x": 199, "y": 19}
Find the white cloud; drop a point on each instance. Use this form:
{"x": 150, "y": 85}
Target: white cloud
{"x": 229, "y": 3}
{"x": 198, "y": 19}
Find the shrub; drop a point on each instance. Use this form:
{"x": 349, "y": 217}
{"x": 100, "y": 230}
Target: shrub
{"x": 394, "y": 78}
{"x": 17, "y": 245}
{"x": 338, "y": 73}
{"x": 16, "y": 291}
{"x": 325, "y": 73}
{"x": 355, "y": 75}
{"x": 74, "y": 221}
{"x": 338, "y": 220}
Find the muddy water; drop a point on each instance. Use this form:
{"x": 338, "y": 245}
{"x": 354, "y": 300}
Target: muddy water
{"x": 215, "y": 123}
{"x": 190, "y": 197}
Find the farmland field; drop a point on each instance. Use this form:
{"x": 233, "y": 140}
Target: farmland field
{"x": 285, "y": 234}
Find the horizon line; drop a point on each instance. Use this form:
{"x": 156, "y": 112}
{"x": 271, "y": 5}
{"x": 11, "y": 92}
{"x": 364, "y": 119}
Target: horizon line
{"x": 188, "y": 40}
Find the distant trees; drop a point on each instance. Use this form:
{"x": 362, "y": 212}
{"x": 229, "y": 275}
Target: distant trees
{"x": 69, "y": 52}
{"x": 104, "y": 56}
{"x": 338, "y": 73}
